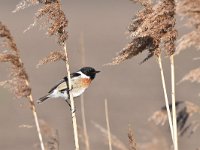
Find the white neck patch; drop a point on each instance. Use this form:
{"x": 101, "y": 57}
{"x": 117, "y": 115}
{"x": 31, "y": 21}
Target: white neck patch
{"x": 83, "y": 75}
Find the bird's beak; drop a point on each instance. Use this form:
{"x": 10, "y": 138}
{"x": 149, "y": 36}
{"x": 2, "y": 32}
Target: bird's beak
{"x": 97, "y": 71}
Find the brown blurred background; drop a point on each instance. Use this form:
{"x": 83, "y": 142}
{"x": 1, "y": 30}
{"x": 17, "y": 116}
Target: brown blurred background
{"x": 133, "y": 91}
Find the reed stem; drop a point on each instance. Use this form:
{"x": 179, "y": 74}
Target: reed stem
{"x": 74, "y": 122}
{"x": 85, "y": 132}
{"x": 30, "y": 97}
{"x": 108, "y": 125}
{"x": 166, "y": 97}
{"x": 173, "y": 102}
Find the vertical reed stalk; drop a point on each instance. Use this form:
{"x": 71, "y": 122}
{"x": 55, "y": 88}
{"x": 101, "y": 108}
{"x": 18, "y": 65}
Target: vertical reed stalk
{"x": 86, "y": 137}
{"x": 74, "y": 123}
{"x": 166, "y": 97}
{"x": 173, "y": 102}
{"x": 108, "y": 125}
{"x": 30, "y": 97}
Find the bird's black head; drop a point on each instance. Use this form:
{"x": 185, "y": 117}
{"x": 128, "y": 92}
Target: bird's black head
{"x": 89, "y": 71}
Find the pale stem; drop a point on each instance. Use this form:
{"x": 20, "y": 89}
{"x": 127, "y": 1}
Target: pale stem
{"x": 36, "y": 119}
{"x": 74, "y": 123}
{"x": 173, "y": 102}
{"x": 85, "y": 132}
{"x": 166, "y": 97}
{"x": 108, "y": 125}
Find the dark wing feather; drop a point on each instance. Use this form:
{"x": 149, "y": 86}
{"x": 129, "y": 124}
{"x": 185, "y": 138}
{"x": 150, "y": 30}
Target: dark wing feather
{"x": 75, "y": 74}
{"x": 53, "y": 88}
{"x": 65, "y": 79}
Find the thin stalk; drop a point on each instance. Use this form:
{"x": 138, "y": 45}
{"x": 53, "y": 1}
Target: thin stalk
{"x": 86, "y": 137}
{"x": 30, "y": 97}
{"x": 166, "y": 97}
{"x": 173, "y": 102}
{"x": 74, "y": 123}
{"x": 108, "y": 125}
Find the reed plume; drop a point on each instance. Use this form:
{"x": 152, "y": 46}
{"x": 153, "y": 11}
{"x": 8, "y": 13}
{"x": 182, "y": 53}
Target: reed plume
{"x": 52, "y": 57}
{"x": 152, "y": 29}
{"x": 189, "y": 9}
{"x": 193, "y": 76}
{"x": 131, "y": 137}
{"x": 18, "y": 82}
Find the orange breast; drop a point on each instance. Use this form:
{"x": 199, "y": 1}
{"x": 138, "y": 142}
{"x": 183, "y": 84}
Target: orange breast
{"x": 86, "y": 82}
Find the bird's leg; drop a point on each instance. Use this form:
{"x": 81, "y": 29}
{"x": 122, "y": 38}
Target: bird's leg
{"x": 69, "y": 90}
{"x": 73, "y": 111}
{"x": 68, "y": 103}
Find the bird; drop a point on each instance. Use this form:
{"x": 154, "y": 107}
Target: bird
{"x": 80, "y": 81}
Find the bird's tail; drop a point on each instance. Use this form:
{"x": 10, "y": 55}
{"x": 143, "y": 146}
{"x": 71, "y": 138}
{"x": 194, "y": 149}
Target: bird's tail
{"x": 42, "y": 99}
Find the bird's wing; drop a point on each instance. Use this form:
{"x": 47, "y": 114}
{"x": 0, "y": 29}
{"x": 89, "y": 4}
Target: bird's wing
{"x": 62, "y": 85}
{"x": 57, "y": 85}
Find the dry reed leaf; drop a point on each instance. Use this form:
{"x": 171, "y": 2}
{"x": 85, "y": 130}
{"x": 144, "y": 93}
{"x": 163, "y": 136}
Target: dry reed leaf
{"x": 117, "y": 143}
{"x": 152, "y": 29}
{"x": 18, "y": 75}
{"x": 192, "y": 76}
{"x": 53, "y": 57}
